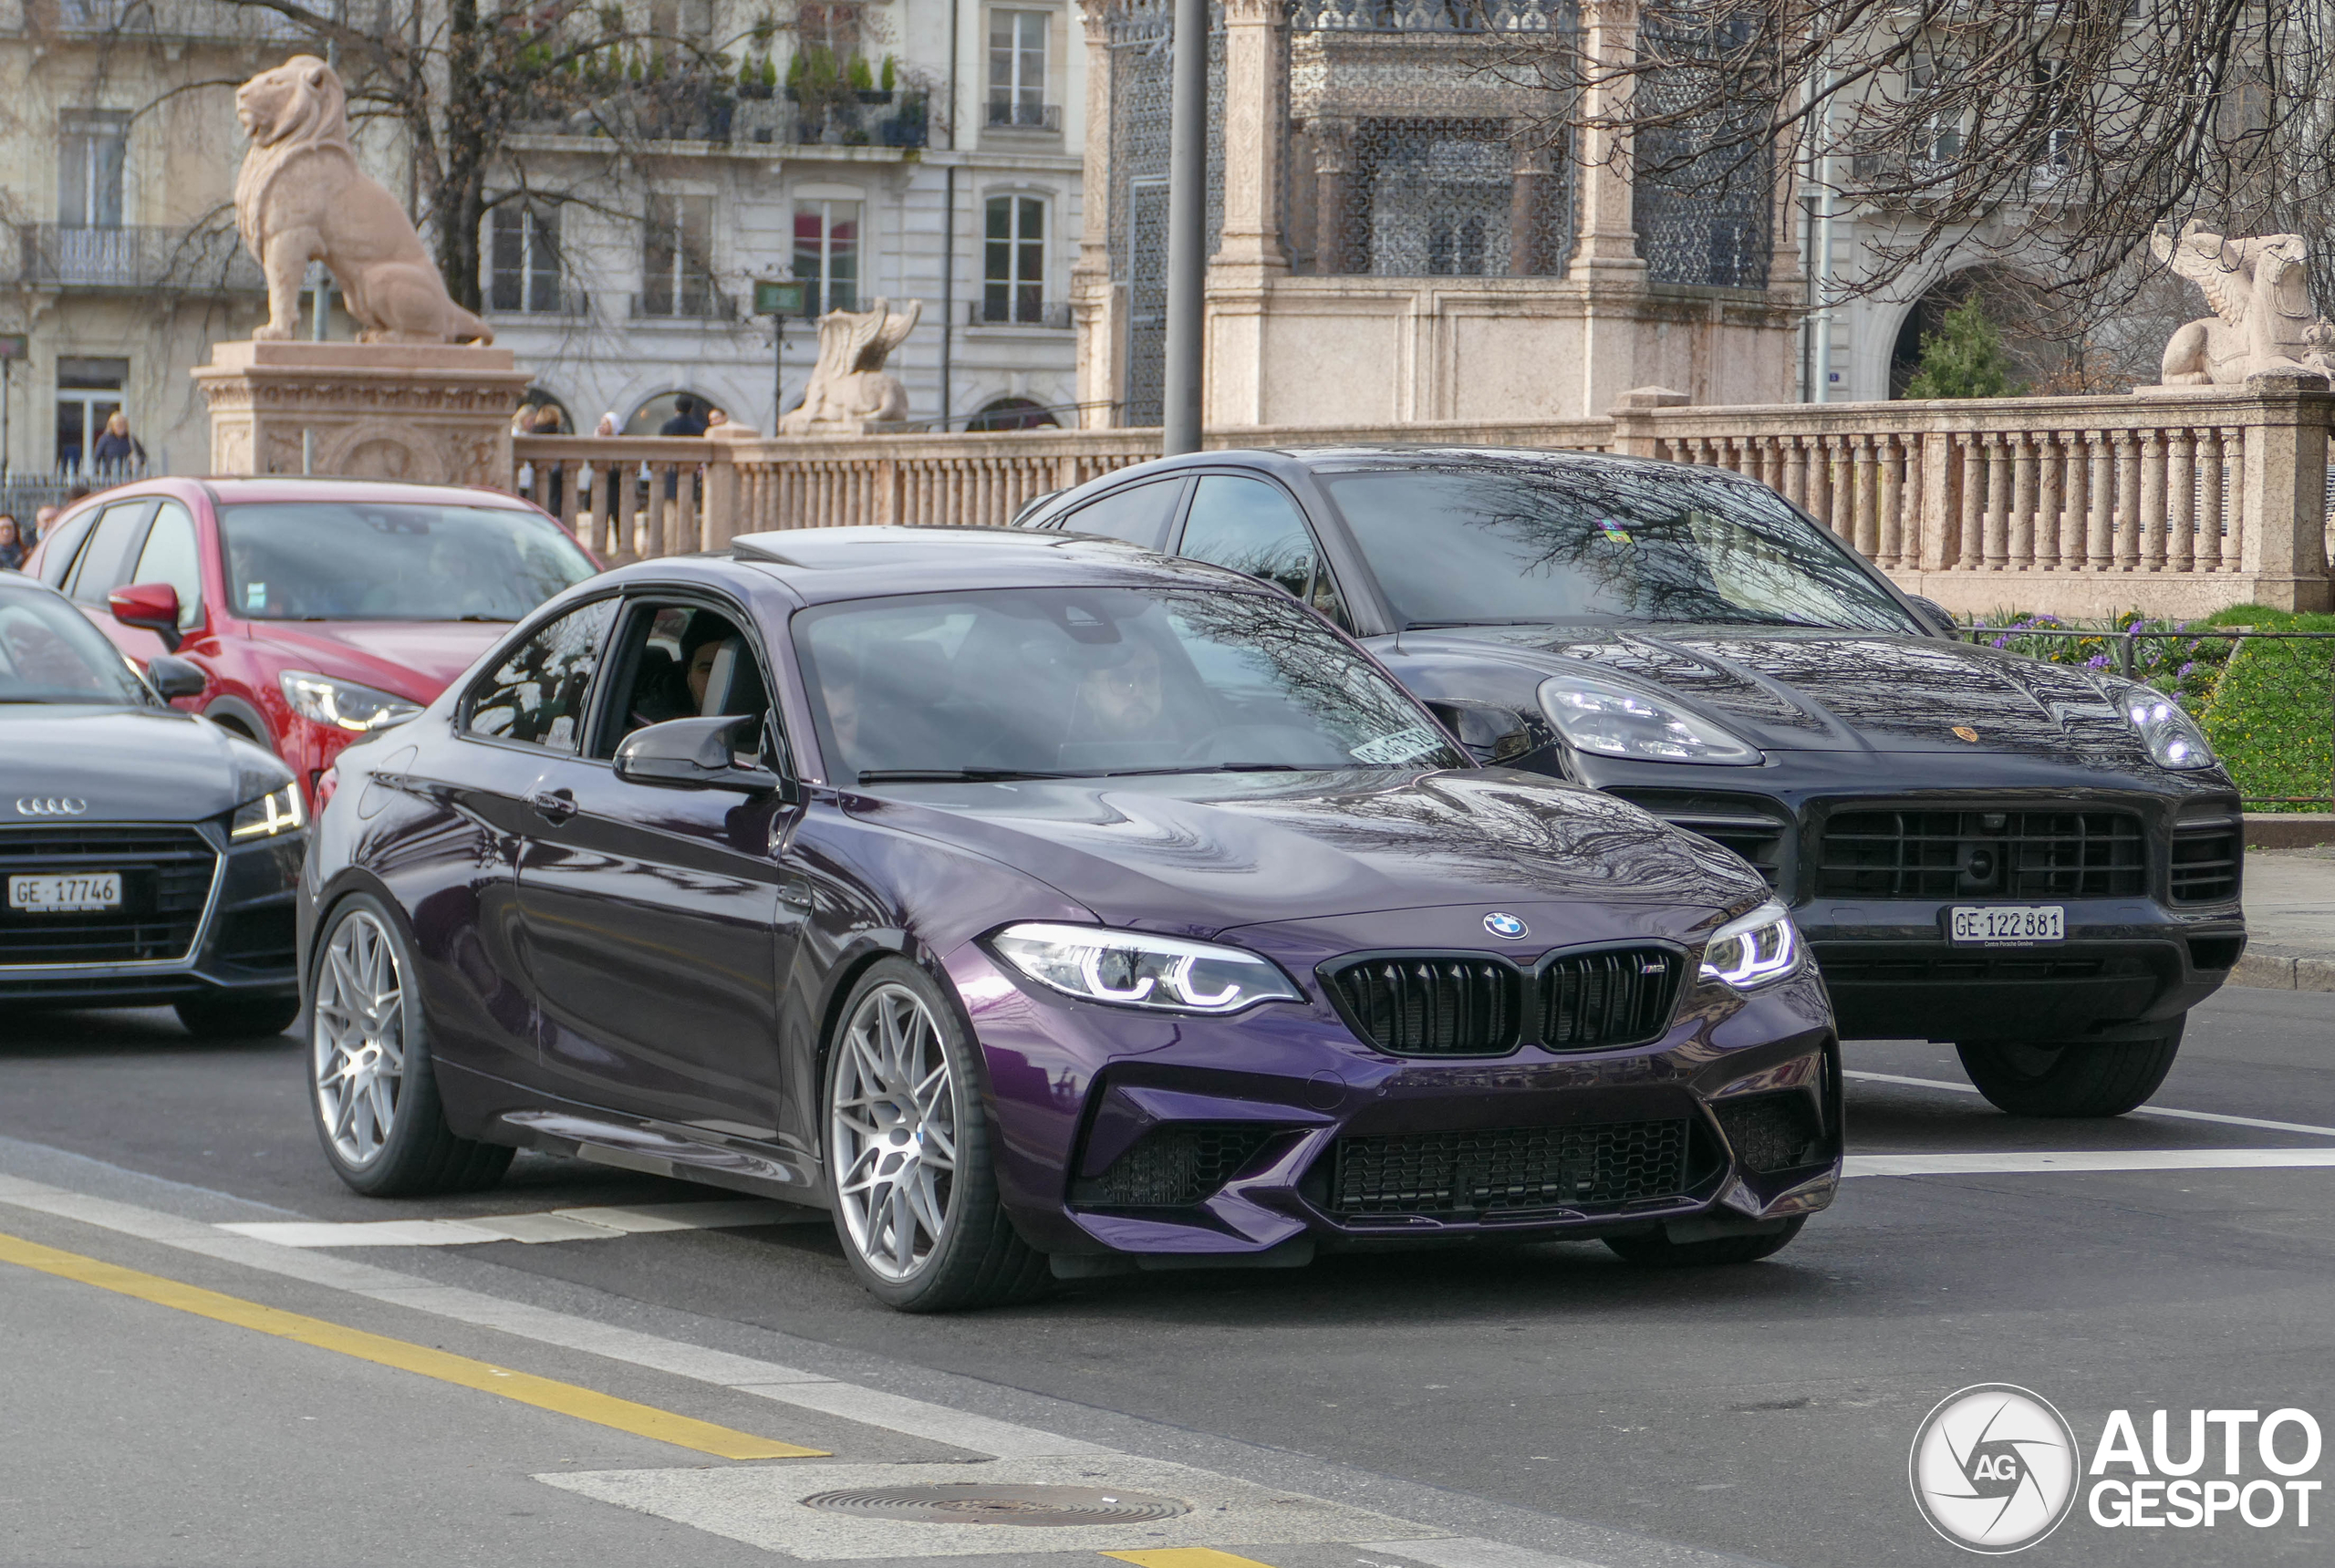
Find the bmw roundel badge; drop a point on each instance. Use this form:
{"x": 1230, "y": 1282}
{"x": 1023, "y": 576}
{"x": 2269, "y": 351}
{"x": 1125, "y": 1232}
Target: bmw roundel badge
{"x": 1505, "y": 925}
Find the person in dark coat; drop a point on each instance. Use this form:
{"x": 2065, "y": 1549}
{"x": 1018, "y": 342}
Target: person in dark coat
{"x": 689, "y": 419}
{"x": 117, "y": 451}
{"x": 12, "y": 545}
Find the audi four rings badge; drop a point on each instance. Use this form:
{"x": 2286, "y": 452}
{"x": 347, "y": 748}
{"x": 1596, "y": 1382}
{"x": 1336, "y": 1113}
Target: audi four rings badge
{"x": 50, "y": 805}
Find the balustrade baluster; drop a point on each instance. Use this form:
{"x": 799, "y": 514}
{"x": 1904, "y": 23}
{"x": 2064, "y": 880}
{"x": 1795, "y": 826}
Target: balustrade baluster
{"x": 2098, "y": 537}
{"x": 2181, "y": 500}
{"x": 2210, "y": 499}
{"x": 2021, "y": 557}
{"x": 2127, "y": 542}
{"x": 2236, "y": 520}
{"x": 1892, "y": 502}
{"x": 2153, "y": 477}
{"x": 1997, "y": 522}
{"x": 1971, "y": 552}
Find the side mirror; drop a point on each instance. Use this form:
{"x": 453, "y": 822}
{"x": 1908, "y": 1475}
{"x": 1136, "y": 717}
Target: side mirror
{"x": 153, "y": 607}
{"x": 702, "y": 753}
{"x": 1941, "y": 619}
{"x": 174, "y": 678}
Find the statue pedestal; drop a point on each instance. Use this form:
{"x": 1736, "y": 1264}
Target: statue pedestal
{"x": 428, "y": 413}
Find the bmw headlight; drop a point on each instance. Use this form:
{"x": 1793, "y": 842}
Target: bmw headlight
{"x": 344, "y": 704}
{"x": 1617, "y": 721}
{"x": 281, "y": 812}
{"x": 2171, "y": 737}
{"x": 1752, "y": 949}
{"x": 1135, "y": 969}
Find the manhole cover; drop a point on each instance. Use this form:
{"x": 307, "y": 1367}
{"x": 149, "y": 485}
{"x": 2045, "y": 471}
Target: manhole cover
{"x": 974, "y": 1503}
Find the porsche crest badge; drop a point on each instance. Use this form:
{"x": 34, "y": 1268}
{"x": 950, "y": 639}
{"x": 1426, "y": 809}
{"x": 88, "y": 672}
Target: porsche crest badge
{"x": 1965, "y": 733}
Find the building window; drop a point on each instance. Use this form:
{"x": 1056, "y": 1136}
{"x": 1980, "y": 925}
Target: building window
{"x": 1017, "y": 68}
{"x": 679, "y": 21}
{"x": 523, "y": 259}
{"x": 676, "y": 257}
{"x": 834, "y": 28}
{"x": 826, "y": 255}
{"x": 90, "y": 152}
{"x": 1014, "y": 279}
{"x": 89, "y": 393}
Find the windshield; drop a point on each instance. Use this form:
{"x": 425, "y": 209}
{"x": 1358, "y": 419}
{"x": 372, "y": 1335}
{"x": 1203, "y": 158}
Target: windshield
{"x": 1470, "y": 544}
{"x": 50, "y": 653}
{"x": 1070, "y": 682}
{"x": 337, "y": 560}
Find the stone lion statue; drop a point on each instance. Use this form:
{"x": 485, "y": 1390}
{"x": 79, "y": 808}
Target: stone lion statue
{"x": 300, "y": 197}
{"x": 850, "y": 388}
{"x": 2263, "y": 316}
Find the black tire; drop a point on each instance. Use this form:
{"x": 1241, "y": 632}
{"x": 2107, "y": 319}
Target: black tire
{"x": 977, "y": 1260}
{"x": 2077, "y": 1080}
{"x": 419, "y": 1155}
{"x": 227, "y": 1017}
{"x": 1655, "y": 1249}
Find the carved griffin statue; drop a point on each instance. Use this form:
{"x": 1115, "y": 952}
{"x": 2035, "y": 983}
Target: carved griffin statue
{"x": 849, "y": 390}
{"x": 2263, "y": 316}
{"x": 300, "y": 197}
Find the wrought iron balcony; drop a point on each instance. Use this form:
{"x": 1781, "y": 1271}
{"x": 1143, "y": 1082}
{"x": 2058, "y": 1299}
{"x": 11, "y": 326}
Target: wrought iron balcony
{"x": 1024, "y": 116}
{"x": 136, "y": 256}
{"x": 999, "y": 308}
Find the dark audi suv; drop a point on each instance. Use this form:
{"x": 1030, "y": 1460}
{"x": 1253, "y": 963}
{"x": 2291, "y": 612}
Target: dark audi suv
{"x": 2037, "y": 863}
{"x": 1042, "y": 907}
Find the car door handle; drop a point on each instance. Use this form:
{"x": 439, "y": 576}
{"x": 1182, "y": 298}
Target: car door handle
{"x": 554, "y": 805}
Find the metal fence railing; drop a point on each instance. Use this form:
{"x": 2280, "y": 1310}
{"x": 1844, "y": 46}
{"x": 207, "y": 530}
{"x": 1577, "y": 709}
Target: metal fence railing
{"x": 2265, "y": 699}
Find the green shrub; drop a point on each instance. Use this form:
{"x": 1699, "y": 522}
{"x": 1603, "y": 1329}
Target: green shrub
{"x": 2273, "y": 711}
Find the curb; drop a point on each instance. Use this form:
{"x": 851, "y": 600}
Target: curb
{"x": 2290, "y": 830}
{"x": 2281, "y": 972}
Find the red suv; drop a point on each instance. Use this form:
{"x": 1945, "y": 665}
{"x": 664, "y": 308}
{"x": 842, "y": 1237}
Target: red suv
{"x": 318, "y": 610}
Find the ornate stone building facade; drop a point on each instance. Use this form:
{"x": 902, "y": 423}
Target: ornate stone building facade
{"x": 1400, "y": 230}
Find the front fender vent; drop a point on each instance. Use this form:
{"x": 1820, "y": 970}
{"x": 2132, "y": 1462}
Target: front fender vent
{"x": 1778, "y": 1131}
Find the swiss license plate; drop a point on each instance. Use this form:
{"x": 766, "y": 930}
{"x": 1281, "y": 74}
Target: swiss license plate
{"x": 2008, "y": 924}
{"x": 66, "y": 895}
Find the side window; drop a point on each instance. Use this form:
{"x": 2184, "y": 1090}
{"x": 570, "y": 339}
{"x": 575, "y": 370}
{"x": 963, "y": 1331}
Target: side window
{"x": 64, "y": 545}
{"x": 1139, "y": 514}
{"x": 106, "y": 559}
{"x": 170, "y": 557}
{"x": 1252, "y": 526}
{"x": 681, "y": 661}
{"x": 537, "y": 694}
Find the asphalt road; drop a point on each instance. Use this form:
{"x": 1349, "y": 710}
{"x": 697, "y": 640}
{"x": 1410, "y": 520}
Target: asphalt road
{"x": 1511, "y": 1409}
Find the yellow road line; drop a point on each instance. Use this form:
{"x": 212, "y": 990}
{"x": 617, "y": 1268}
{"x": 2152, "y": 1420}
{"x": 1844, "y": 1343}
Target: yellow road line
{"x": 1185, "y": 1557}
{"x": 544, "y": 1392}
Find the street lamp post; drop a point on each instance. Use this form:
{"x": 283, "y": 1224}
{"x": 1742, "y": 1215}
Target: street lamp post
{"x": 1187, "y": 229}
{"x": 777, "y": 298}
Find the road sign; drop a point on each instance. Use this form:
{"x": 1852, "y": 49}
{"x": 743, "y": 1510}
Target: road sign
{"x": 773, "y": 297}
{"x": 13, "y": 345}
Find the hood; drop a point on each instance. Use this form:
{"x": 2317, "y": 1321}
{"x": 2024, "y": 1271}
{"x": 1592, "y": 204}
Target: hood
{"x": 414, "y": 659}
{"x": 1198, "y": 854}
{"x": 1836, "y": 691}
{"x": 128, "y": 764}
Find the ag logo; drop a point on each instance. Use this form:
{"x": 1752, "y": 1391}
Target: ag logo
{"x": 1507, "y": 926}
{"x": 1993, "y": 1469}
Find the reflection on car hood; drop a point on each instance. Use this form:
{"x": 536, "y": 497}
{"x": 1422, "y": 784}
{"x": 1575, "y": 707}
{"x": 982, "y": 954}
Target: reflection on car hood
{"x": 414, "y": 659}
{"x": 127, "y": 764}
{"x": 1796, "y": 691}
{"x": 1200, "y": 854}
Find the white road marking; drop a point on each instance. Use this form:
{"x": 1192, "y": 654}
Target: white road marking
{"x": 2086, "y": 1159}
{"x": 1472, "y": 1552}
{"x": 874, "y": 1407}
{"x": 762, "y": 1506}
{"x": 1952, "y": 1087}
{"x": 553, "y": 1225}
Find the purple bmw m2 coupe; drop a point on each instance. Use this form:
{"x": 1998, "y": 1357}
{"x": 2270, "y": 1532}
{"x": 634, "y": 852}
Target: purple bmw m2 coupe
{"x": 1043, "y": 908}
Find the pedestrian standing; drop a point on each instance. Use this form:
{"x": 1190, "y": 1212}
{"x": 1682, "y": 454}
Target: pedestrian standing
{"x": 117, "y": 451}
{"x": 12, "y": 545}
{"x": 44, "y": 518}
{"x": 689, "y": 419}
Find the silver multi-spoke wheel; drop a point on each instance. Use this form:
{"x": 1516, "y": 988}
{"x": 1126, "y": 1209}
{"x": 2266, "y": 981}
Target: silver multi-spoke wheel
{"x": 892, "y": 1132}
{"x": 360, "y": 1038}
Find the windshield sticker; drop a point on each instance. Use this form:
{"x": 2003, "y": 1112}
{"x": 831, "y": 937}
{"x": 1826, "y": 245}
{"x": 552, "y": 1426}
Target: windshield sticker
{"x": 1402, "y": 746}
{"x": 255, "y": 595}
{"x": 1614, "y": 533}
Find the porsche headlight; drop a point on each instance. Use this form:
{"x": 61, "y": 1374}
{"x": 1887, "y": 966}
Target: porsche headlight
{"x": 2171, "y": 737}
{"x": 1752, "y": 949}
{"x": 1617, "y": 721}
{"x": 281, "y": 812}
{"x": 1134, "y": 969}
{"x": 344, "y": 704}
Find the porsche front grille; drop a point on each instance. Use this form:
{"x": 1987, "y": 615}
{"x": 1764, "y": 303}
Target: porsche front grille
{"x": 1919, "y": 853}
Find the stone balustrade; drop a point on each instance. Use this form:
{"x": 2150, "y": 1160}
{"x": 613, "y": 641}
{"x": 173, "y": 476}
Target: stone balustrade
{"x": 2176, "y": 503}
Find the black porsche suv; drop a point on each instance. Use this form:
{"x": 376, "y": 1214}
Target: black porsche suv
{"x": 2038, "y": 863}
